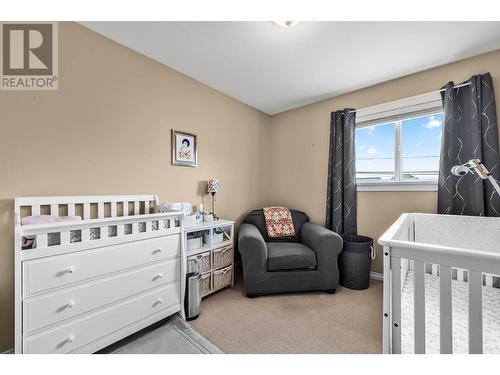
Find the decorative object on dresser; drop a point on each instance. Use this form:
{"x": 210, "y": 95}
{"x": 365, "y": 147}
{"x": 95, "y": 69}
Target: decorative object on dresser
{"x": 214, "y": 255}
{"x": 85, "y": 284}
{"x": 186, "y": 208}
{"x": 213, "y": 187}
{"x": 184, "y": 149}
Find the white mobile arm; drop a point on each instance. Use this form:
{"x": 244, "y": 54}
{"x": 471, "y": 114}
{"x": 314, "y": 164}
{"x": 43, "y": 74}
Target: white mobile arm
{"x": 475, "y": 165}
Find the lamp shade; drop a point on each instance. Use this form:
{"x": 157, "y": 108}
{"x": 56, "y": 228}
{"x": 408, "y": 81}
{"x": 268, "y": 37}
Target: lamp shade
{"x": 213, "y": 186}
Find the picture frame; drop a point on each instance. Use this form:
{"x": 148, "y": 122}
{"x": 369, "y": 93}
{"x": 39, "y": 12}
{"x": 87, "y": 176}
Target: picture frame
{"x": 184, "y": 149}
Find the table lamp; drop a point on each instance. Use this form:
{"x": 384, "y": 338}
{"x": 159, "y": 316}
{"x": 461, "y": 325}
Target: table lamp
{"x": 213, "y": 187}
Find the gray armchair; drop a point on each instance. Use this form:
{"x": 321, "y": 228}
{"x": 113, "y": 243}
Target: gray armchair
{"x": 306, "y": 262}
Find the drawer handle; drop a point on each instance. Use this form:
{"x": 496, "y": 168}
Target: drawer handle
{"x": 158, "y": 277}
{"x": 70, "y": 304}
{"x": 157, "y": 251}
{"x": 159, "y": 301}
{"x": 70, "y": 270}
{"x": 70, "y": 339}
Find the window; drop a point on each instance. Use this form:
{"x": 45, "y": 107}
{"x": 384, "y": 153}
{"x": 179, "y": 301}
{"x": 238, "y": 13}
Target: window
{"x": 420, "y": 148}
{"x": 375, "y": 156}
{"x": 398, "y": 147}
{"x": 402, "y": 151}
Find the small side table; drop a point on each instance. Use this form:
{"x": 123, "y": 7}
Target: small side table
{"x": 215, "y": 256}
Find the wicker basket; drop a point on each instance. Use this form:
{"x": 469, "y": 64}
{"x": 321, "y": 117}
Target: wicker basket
{"x": 223, "y": 256}
{"x": 206, "y": 284}
{"x": 203, "y": 261}
{"x": 223, "y": 277}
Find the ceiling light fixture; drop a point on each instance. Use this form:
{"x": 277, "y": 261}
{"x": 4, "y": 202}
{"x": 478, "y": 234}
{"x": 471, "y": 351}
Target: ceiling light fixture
{"x": 286, "y": 24}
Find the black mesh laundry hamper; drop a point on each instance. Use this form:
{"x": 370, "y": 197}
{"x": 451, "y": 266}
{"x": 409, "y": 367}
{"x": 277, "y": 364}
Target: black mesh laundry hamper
{"x": 355, "y": 262}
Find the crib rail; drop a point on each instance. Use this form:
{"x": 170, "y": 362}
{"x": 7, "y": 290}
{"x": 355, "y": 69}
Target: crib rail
{"x": 129, "y": 204}
{"x": 57, "y": 238}
{"x": 104, "y": 228}
{"x": 399, "y": 252}
{"x": 107, "y": 220}
{"x": 463, "y": 275}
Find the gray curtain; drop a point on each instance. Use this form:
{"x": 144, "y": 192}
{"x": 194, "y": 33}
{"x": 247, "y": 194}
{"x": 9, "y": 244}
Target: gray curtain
{"x": 341, "y": 189}
{"x": 469, "y": 132}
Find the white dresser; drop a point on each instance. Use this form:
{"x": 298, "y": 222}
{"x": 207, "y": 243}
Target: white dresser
{"x": 86, "y": 284}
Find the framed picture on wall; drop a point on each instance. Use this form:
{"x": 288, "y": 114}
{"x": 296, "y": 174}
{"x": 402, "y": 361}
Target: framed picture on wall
{"x": 184, "y": 152}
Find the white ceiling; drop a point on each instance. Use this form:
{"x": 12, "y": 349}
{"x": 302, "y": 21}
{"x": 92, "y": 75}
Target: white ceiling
{"x": 275, "y": 69}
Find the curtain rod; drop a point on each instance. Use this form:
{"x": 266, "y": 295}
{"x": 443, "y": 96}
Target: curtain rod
{"x": 467, "y": 83}
{"x": 457, "y": 86}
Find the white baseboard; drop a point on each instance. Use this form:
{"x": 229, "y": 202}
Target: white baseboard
{"x": 378, "y": 277}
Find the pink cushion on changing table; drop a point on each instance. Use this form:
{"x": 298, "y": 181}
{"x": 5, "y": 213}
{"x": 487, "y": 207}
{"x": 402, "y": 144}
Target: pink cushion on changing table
{"x": 68, "y": 218}
{"x": 45, "y": 219}
{"x": 28, "y": 241}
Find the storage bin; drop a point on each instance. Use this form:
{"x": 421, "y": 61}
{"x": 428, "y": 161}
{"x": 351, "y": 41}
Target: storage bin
{"x": 223, "y": 277}
{"x": 206, "y": 284}
{"x": 203, "y": 260}
{"x": 217, "y": 236}
{"x": 193, "y": 242}
{"x": 355, "y": 262}
{"x": 223, "y": 256}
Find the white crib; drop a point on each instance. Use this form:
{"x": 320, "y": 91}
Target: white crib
{"x": 88, "y": 283}
{"x": 445, "y": 249}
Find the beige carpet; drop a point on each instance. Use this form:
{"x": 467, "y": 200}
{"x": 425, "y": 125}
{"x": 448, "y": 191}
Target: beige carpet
{"x": 349, "y": 321}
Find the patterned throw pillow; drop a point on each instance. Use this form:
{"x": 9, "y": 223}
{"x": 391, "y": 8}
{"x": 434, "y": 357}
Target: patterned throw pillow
{"x": 279, "y": 222}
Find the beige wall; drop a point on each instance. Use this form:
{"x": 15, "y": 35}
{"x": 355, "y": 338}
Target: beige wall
{"x": 107, "y": 131}
{"x": 300, "y": 148}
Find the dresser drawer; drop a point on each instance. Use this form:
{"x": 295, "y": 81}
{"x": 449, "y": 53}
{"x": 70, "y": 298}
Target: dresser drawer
{"x": 51, "y": 308}
{"x": 80, "y": 332}
{"x": 59, "y": 271}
